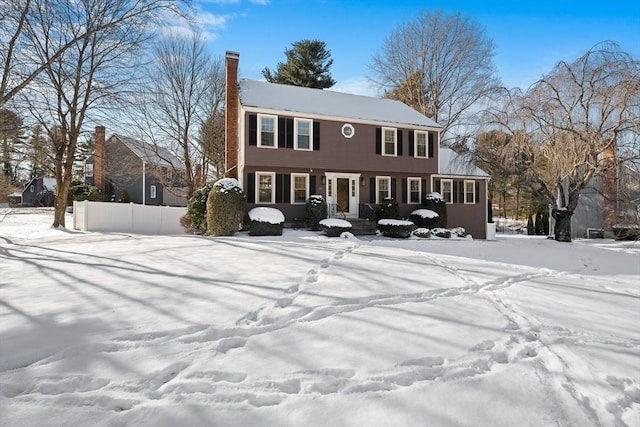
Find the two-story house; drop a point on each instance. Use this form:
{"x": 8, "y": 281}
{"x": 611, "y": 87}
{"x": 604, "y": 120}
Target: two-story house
{"x": 285, "y": 143}
{"x": 151, "y": 175}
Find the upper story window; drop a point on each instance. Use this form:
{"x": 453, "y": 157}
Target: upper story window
{"x": 303, "y": 135}
{"x": 469, "y": 191}
{"x": 446, "y": 188}
{"x": 153, "y": 192}
{"x": 383, "y": 188}
{"x": 267, "y": 131}
{"x": 389, "y": 141}
{"x": 414, "y": 190}
{"x": 348, "y": 130}
{"x": 265, "y": 187}
{"x": 420, "y": 141}
{"x": 299, "y": 188}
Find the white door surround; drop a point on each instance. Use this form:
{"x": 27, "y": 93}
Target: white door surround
{"x": 343, "y": 194}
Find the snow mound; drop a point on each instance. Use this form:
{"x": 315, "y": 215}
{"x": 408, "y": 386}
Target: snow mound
{"x": 268, "y": 215}
{"x": 425, "y": 213}
{"x": 335, "y": 222}
{"x": 394, "y": 222}
{"x": 434, "y": 196}
{"x": 227, "y": 184}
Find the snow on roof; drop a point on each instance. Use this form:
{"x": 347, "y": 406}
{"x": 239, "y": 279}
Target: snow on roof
{"x": 451, "y": 163}
{"x": 150, "y": 153}
{"x": 304, "y": 100}
{"x": 49, "y": 183}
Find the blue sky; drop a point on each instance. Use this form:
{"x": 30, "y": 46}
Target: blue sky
{"x": 530, "y": 36}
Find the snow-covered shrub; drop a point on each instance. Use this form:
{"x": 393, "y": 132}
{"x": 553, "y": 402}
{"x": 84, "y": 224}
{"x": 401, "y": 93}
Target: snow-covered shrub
{"x": 458, "y": 232}
{"x": 626, "y": 232}
{"x": 424, "y": 218}
{"x": 435, "y": 202}
{"x": 197, "y": 209}
{"x": 388, "y": 209}
{"x": 334, "y": 227}
{"x": 396, "y": 228}
{"x": 265, "y": 222}
{"x": 441, "y": 232}
{"x": 423, "y": 233}
{"x": 316, "y": 210}
{"x": 226, "y": 205}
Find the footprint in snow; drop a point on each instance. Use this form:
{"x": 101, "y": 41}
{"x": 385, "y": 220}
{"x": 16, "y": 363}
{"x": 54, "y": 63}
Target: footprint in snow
{"x": 483, "y": 346}
{"x": 230, "y": 343}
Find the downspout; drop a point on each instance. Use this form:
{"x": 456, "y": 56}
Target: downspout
{"x": 144, "y": 183}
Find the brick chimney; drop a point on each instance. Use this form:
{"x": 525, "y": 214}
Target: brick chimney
{"x": 231, "y": 115}
{"x": 99, "y": 158}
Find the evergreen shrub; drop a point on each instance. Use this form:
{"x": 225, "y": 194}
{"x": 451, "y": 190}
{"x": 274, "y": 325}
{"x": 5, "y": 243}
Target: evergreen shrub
{"x": 396, "y": 228}
{"x": 197, "y": 208}
{"x": 388, "y": 209}
{"x": 265, "y": 222}
{"x": 334, "y": 227}
{"x": 424, "y": 218}
{"x": 226, "y": 205}
{"x": 435, "y": 202}
{"x": 316, "y": 210}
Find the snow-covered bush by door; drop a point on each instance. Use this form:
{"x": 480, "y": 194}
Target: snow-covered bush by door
{"x": 396, "y": 228}
{"x": 423, "y": 233}
{"x": 424, "y": 218}
{"x": 316, "y": 210}
{"x": 265, "y": 222}
{"x": 441, "y": 232}
{"x": 197, "y": 209}
{"x": 435, "y": 202}
{"x": 458, "y": 232}
{"x": 388, "y": 209}
{"x": 334, "y": 227}
{"x": 226, "y": 205}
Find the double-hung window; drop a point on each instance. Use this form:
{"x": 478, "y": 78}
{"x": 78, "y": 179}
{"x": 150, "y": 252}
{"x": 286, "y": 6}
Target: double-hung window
{"x": 299, "y": 188}
{"x": 267, "y": 131}
{"x": 383, "y": 188}
{"x": 420, "y": 141}
{"x": 153, "y": 192}
{"x": 446, "y": 187}
{"x": 389, "y": 141}
{"x": 303, "y": 137}
{"x": 265, "y": 187}
{"x": 469, "y": 192}
{"x": 414, "y": 190}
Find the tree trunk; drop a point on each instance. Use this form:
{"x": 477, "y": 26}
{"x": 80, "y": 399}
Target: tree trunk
{"x": 517, "y": 202}
{"x": 563, "y": 225}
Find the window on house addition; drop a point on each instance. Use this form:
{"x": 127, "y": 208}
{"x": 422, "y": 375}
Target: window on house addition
{"x": 383, "y": 188}
{"x": 267, "y": 126}
{"x": 389, "y": 138}
{"x": 469, "y": 192}
{"x": 303, "y": 137}
{"x": 446, "y": 188}
{"x": 88, "y": 169}
{"x": 265, "y": 187}
{"x": 152, "y": 191}
{"x": 420, "y": 142}
{"x": 299, "y": 188}
{"x": 414, "y": 188}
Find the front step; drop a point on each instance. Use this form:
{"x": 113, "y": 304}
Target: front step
{"x": 362, "y": 226}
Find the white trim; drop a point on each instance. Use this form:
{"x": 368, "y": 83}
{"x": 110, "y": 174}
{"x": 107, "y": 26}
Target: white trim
{"x": 386, "y": 178}
{"x": 259, "y": 130}
{"x": 414, "y": 178}
{"x": 297, "y": 120}
{"x": 395, "y": 142}
{"x": 273, "y": 187}
{"x": 354, "y": 183}
{"x": 473, "y": 186}
{"x": 348, "y": 126}
{"x": 450, "y": 181}
{"x": 415, "y": 144}
{"x": 293, "y": 188}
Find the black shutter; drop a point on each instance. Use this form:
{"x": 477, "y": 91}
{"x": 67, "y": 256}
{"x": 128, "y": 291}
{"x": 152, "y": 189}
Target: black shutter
{"x": 411, "y": 143}
{"x": 454, "y": 188}
{"x": 312, "y": 185}
{"x": 253, "y": 129}
{"x": 378, "y": 140}
{"x": 278, "y": 188}
{"x": 251, "y": 188}
{"x": 404, "y": 190}
{"x": 393, "y": 189}
{"x": 437, "y": 182}
{"x": 424, "y": 189}
{"x": 316, "y": 136}
{"x": 282, "y": 132}
{"x": 431, "y": 138}
{"x": 477, "y": 191}
{"x": 461, "y": 191}
{"x": 289, "y": 133}
{"x": 372, "y": 190}
{"x": 399, "y": 147}
{"x": 286, "y": 188}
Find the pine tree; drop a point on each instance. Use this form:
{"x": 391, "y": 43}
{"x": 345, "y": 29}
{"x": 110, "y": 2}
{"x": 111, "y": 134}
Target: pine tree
{"x": 307, "y": 65}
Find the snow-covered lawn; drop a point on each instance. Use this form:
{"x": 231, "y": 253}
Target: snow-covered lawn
{"x": 303, "y": 330}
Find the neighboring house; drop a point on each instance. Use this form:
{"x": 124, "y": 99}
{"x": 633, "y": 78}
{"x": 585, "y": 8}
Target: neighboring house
{"x": 146, "y": 172}
{"x": 38, "y": 192}
{"x": 285, "y": 143}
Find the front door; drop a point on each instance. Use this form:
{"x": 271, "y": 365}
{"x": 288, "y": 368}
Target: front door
{"x": 342, "y": 194}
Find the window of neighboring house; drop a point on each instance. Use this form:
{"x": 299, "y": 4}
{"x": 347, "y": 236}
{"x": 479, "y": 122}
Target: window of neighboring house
{"x": 383, "y": 188}
{"x": 299, "y": 188}
{"x": 265, "y": 187}
{"x": 414, "y": 189}
{"x": 420, "y": 142}
{"x": 302, "y": 135}
{"x": 469, "y": 192}
{"x": 446, "y": 188}
{"x": 88, "y": 170}
{"x": 389, "y": 141}
{"x": 153, "y": 192}
{"x": 267, "y": 126}
{"x": 32, "y": 189}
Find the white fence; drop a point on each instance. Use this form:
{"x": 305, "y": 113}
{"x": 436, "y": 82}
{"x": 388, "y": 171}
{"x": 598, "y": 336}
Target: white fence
{"x": 127, "y": 218}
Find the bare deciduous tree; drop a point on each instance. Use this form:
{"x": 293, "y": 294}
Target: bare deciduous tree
{"x": 441, "y": 65}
